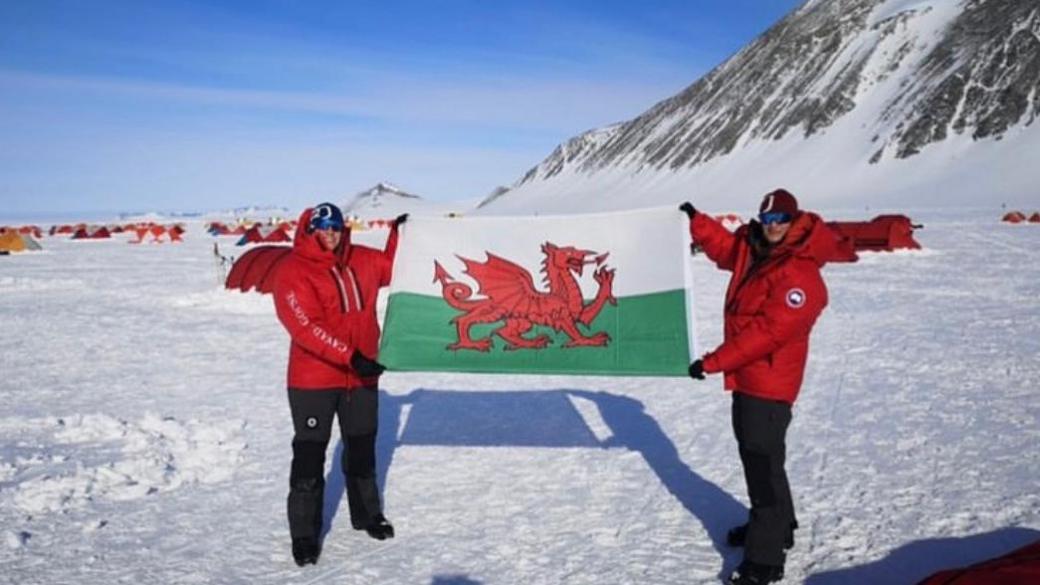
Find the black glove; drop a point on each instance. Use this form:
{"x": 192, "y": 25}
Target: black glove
{"x": 365, "y": 367}
{"x": 696, "y": 370}
{"x": 400, "y": 219}
{"x": 689, "y": 209}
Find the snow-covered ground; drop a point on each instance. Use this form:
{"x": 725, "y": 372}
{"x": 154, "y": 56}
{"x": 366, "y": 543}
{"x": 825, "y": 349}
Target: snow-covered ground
{"x": 145, "y": 436}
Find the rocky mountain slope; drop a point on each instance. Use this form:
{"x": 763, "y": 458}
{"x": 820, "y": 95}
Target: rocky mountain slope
{"x": 846, "y": 101}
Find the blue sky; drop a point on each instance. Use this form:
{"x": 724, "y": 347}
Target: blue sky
{"x": 139, "y": 106}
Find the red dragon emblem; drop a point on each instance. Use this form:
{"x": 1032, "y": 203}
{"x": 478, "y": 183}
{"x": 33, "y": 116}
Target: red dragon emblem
{"x": 512, "y": 297}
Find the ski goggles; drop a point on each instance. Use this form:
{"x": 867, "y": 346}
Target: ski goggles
{"x": 326, "y": 224}
{"x": 774, "y": 217}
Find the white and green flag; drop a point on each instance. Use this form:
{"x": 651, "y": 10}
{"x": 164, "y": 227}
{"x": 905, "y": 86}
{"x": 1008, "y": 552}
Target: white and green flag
{"x": 603, "y": 293}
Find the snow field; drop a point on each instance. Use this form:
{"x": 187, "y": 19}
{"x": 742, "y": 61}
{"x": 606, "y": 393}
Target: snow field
{"x": 144, "y": 434}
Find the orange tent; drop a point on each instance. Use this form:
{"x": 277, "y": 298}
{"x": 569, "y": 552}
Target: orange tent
{"x": 1035, "y": 218}
{"x": 12, "y": 241}
{"x": 1014, "y": 217}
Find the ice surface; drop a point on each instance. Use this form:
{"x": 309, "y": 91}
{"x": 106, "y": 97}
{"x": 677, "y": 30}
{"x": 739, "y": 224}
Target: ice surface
{"x": 145, "y": 434}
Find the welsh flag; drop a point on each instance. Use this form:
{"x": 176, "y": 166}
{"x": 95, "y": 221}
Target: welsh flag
{"x": 603, "y": 293}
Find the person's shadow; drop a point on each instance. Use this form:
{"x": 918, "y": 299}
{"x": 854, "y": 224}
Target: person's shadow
{"x": 544, "y": 418}
{"x": 916, "y": 560}
{"x": 634, "y": 429}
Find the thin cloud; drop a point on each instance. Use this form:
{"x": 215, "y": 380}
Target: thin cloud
{"x": 531, "y": 104}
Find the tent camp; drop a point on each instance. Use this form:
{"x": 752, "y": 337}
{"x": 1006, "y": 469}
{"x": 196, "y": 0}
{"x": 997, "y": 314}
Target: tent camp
{"x": 91, "y": 233}
{"x": 256, "y": 268}
{"x": 883, "y": 233}
{"x": 12, "y": 241}
{"x": 1014, "y": 217}
{"x": 1019, "y": 567}
{"x": 31, "y": 230}
{"x": 258, "y": 233}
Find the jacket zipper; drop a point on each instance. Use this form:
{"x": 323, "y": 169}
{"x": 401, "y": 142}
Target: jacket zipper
{"x": 354, "y": 287}
{"x": 344, "y": 302}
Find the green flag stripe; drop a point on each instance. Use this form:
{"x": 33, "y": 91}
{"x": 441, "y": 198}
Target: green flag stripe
{"x": 648, "y": 337}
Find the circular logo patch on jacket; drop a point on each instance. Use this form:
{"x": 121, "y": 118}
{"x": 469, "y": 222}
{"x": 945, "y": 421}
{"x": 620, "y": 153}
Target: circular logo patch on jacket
{"x": 795, "y": 298}
{"x": 312, "y": 423}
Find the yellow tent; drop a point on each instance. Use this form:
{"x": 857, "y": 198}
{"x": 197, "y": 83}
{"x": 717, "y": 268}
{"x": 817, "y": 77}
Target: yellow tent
{"x": 12, "y": 241}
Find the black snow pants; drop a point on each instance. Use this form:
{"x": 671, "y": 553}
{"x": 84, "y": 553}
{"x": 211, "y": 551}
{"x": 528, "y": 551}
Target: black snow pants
{"x": 760, "y": 427}
{"x": 312, "y": 414}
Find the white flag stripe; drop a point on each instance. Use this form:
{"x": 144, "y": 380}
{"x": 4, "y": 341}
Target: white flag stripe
{"x": 645, "y": 246}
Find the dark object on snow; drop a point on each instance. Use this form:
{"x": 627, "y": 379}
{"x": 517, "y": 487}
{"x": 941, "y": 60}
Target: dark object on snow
{"x": 256, "y": 269}
{"x": 738, "y": 534}
{"x": 749, "y": 573}
{"x": 380, "y": 528}
{"x": 1014, "y": 217}
{"x": 1018, "y": 567}
{"x": 305, "y": 551}
{"x": 883, "y": 233}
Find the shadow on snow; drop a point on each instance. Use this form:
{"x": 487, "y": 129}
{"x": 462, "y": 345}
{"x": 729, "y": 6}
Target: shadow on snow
{"x": 542, "y": 419}
{"x": 916, "y": 560}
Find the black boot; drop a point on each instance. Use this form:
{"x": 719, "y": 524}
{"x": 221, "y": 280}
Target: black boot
{"x": 305, "y": 551}
{"x": 379, "y": 528}
{"x": 738, "y": 534}
{"x": 749, "y": 573}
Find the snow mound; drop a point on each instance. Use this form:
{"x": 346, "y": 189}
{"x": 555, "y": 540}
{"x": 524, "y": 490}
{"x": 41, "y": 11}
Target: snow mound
{"x": 127, "y": 460}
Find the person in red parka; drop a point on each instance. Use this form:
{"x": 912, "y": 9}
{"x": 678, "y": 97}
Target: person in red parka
{"x": 325, "y": 297}
{"x": 774, "y": 297}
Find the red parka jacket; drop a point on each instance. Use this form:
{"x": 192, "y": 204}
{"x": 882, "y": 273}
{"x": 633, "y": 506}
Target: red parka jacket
{"x": 770, "y": 308}
{"x": 327, "y": 302}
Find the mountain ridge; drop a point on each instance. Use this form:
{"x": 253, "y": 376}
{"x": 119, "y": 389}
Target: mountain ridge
{"x": 880, "y": 82}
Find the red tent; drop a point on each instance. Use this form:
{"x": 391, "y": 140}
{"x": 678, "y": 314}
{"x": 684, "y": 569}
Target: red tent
{"x": 1014, "y": 217}
{"x": 33, "y": 230}
{"x": 1018, "y": 567}
{"x": 251, "y": 236}
{"x": 175, "y": 232}
{"x": 157, "y": 232}
{"x": 141, "y": 233}
{"x": 1035, "y": 218}
{"x": 256, "y": 268}
{"x": 277, "y": 235}
{"x": 217, "y": 228}
{"x": 884, "y": 232}
{"x": 84, "y": 233}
